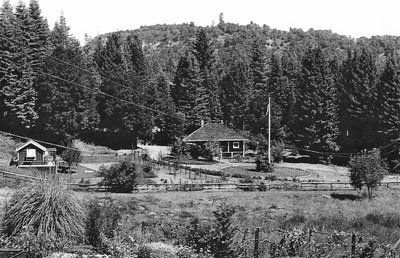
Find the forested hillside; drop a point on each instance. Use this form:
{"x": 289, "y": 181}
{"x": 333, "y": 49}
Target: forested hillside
{"x": 330, "y": 93}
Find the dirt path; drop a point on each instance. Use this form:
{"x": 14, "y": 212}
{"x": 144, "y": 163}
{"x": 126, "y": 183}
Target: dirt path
{"x": 95, "y": 166}
{"x": 155, "y": 152}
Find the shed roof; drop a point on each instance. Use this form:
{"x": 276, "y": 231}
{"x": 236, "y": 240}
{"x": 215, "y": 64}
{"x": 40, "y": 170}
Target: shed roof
{"x": 214, "y": 131}
{"x": 33, "y": 143}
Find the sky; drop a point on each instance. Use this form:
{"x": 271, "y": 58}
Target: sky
{"x": 355, "y": 18}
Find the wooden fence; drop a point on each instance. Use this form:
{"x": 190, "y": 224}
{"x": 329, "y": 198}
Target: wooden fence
{"x": 179, "y": 168}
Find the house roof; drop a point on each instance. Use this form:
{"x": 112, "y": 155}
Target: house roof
{"x": 214, "y": 131}
{"x": 33, "y": 143}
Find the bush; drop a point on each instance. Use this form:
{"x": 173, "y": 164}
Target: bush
{"x": 270, "y": 177}
{"x": 195, "y": 151}
{"x": 122, "y": 177}
{"x": 262, "y": 187}
{"x": 71, "y": 156}
{"x": 102, "y": 222}
{"x": 215, "y": 238}
{"x": 180, "y": 148}
{"x": 46, "y": 210}
{"x": 277, "y": 150}
{"x": 246, "y": 180}
{"x": 210, "y": 150}
{"x": 262, "y": 165}
{"x": 148, "y": 171}
{"x": 238, "y": 175}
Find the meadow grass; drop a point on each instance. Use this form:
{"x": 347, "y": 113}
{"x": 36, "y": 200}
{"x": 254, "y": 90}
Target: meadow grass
{"x": 278, "y": 171}
{"x": 379, "y": 217}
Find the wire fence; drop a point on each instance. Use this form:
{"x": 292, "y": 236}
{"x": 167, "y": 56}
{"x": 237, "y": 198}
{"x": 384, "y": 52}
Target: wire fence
{"x": 315, "y": 243}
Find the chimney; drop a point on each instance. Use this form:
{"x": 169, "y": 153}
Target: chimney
{"x": 202, "y": 123}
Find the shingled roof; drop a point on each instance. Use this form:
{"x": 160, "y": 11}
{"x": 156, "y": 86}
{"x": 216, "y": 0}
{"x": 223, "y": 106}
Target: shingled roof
{"x": 216, "y": 132}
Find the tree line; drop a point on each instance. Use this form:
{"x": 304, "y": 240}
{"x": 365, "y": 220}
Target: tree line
{"x": 330, "y": 93}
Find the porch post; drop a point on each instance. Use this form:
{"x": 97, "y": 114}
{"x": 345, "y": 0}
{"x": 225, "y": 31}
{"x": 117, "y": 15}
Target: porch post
{"x": 228, "y": 147}
{"x": 244, "y": 147}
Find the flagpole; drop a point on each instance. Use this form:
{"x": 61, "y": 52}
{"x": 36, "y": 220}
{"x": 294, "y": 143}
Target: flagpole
{"x": 269, "y": 130}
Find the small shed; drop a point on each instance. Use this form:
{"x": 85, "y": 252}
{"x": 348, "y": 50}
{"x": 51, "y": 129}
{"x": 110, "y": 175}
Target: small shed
{"x": 33, "y": 154}
{"x": 231, "y": 142}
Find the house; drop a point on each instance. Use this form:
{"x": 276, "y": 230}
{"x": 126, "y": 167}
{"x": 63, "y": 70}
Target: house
{"x": 33, "y": 154}
{"x": 231, "y": 142}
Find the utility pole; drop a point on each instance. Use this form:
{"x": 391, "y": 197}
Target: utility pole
{"x": 269, "y": 129}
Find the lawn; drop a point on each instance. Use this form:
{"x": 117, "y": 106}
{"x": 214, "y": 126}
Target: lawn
{"x": 190, "y": 161}
{"x": 280, "y": 172}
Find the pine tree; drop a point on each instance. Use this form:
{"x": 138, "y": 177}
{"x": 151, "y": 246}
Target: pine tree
{"x": 279, "y": 92}
{"x": 184, "y": 91}
{"x": 170, "y": 124}
{"x": 207, "y": 105}
{"x": 233, "y": 91}
{"x": 358, "y": 101}
{"x": 317, "y": 109}
{"x": 389, "y": 96}
{"x": 258, "y": 93}
{"x": 122, "y": 67}
{"x": 67, "y": 107}
{"x": 39, "y": 34}
{"x": 17, "y": 92}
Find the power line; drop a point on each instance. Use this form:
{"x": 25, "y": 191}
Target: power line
{"x": 40, "y": 141}
{"x": 85, "y": 70}
{"x": 341, "y": 155}
{"x": 108, "y": 95}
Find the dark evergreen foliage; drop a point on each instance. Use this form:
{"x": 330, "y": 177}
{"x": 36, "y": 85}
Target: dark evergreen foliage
{"x": 328, "y": 92}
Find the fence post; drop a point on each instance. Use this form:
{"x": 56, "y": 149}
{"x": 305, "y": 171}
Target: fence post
{"x": 353, "y": 245}
{"x": 256, "y": 242}
{"x": 309, "y": 240}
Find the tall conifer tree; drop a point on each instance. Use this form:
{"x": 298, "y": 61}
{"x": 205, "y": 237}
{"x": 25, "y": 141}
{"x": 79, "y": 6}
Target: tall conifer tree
{"x": 317, "y": 107}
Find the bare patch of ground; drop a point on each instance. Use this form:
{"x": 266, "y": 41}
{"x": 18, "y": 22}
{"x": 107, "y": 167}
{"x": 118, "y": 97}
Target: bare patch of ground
{"x": 156, "y": 152}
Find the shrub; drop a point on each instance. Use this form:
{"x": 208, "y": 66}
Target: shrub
{"x": 180, "y": 148}
{"x": 145, "y": 157}
{"x": 262, "y": 164}
{"x": 238, "y": 175}
{"x": 48, "y": 209}
{"x": 210, "y": 150}
{"x": 277, "y": 150}
{"x": 195, "y": 151}
{"x": 246, "y": 180}
{"x": 71, "y": 156}
{"x": 270, "y": 177}
{"x": 216, "y": 238}
{"x": 148, "y": 171}
{"x": 122, "y": 177}
{"x": 102, "y": 223}
{"x": 262, "y": 187}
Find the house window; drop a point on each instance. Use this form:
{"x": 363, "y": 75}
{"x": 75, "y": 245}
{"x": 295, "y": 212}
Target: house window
{"x": 31, "y": 154}
{"x": 236, "y": 145}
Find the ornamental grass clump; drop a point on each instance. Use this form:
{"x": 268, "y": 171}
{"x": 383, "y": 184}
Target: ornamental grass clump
{"x": 48, "y": 209}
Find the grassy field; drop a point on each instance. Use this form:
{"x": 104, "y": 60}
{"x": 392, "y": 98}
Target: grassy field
{"x": 164, "y": 217}
{"x": 379, "y": 217}
{"x": 278, "y": 171}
